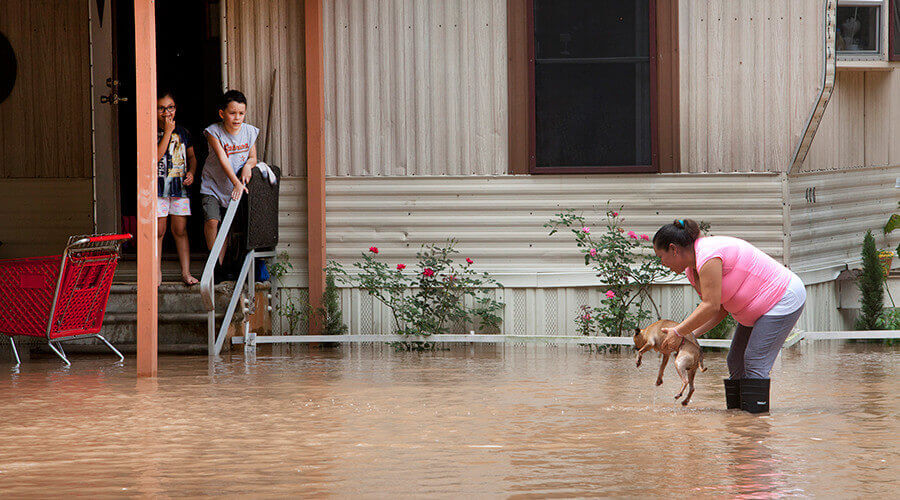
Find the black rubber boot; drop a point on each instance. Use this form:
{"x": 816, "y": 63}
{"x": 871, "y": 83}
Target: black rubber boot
{"x": 755, "y": 395}
{"x": 732, "y": 393}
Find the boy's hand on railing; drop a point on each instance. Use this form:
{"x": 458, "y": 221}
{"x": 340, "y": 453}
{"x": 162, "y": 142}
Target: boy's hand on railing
{"x": 246, "y": 174}
{"x": 237, "y": 191}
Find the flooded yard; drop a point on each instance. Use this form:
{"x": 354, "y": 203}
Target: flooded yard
{"x": 486, "y": 421}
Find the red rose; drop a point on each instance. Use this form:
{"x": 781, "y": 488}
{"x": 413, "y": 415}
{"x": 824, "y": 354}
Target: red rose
{"x": 373, "y": 249}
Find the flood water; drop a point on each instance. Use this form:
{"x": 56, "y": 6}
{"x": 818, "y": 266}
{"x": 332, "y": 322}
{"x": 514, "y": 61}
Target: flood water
{"x": 486, "y": 421}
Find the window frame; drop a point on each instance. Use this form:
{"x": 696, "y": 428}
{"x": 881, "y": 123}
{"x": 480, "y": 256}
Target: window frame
{"x": 653, "y": 167}
{"x": 893, "y": 27}
{"x": 882, "y": 50}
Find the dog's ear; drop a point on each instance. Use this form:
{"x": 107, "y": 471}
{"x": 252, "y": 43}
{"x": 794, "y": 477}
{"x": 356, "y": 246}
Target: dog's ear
{"x": 637, "y": 330}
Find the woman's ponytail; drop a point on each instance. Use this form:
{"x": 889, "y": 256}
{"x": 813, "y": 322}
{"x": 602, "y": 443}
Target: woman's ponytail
{"x": 682, "y": 232}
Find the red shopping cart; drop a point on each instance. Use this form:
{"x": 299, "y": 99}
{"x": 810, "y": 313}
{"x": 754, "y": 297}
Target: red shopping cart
{"x": 62, "y": 297}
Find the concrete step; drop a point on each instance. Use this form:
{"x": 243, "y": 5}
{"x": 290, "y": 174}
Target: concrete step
{"x": 181, "y": 318}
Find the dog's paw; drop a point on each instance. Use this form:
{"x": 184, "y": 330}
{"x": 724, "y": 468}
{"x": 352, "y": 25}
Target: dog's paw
{"x": 685, "y": 402}
{"x": 658, "y": 381}
{"x": 677, "y": 396}
{"x": 637, "y": 363}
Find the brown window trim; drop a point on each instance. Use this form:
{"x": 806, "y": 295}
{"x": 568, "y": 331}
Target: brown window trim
{"x": 893, "y": 12}
{"x": 665, "y": 119}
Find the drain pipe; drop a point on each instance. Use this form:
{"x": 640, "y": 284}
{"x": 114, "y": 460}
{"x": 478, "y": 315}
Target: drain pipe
{"x": 828, "y": 74}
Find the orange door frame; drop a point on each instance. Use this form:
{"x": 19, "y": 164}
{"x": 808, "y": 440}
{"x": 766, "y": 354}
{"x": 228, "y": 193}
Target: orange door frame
{"x": 315, "y": 158}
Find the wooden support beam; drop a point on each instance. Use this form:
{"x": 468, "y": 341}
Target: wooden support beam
{"x": 147, "y": 257}
{"x": 315, "y": 157}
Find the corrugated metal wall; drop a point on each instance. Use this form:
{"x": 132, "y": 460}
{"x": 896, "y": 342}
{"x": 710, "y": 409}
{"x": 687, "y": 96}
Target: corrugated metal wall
{"x": 415, "y": 87}
{"x": 45, "y": 130}
{"x": 39, "y": 215}
{"x": 750, "y": 70}
{"x": 861, "y": 124}
{"x": 498, "y": 220}
{"x": 827, "y": 227}
{"x": 261, "y": 36}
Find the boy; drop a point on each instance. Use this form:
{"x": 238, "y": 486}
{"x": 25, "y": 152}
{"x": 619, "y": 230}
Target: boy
{"x": 176, "y": 165}
{"x": 232, "y": 156}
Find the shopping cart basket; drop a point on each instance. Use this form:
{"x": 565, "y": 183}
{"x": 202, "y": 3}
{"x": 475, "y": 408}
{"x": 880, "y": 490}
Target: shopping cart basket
{"x": 62, "y": 297}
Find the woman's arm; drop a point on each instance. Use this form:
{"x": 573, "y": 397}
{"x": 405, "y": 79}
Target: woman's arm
{"x": 711, "y": 323}
{"x": 710, "y": 306}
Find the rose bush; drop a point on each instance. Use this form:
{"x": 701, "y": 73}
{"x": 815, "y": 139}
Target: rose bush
{"x": 626, "y": 265}
{"x": 435, "y": 295}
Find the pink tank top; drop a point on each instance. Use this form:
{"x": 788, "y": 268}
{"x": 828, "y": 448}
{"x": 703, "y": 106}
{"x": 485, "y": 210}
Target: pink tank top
{"x": 752, "y": 282}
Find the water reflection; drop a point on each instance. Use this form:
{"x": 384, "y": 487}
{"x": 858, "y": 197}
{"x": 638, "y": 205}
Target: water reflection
{"x": 522, "y": 421}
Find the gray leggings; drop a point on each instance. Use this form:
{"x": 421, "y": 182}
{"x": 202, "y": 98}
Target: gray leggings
{"x": 754, "y": 348}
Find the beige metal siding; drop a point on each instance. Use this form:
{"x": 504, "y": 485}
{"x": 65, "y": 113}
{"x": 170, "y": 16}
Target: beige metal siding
{"x": 827, "y": 235}
{"x": 498, "y": 220}
{"x": 750, "y": 70}
{"x": 415, "y": 87}
{"x": 39, "y": 215}
{"x": 861, "y": 125}
{"x": 45, "y": 129}
{"x": 262, "y": 36}
{"x": 292, "y": 235}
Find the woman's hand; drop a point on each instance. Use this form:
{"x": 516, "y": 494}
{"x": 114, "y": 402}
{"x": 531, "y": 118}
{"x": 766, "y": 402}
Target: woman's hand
{"x": 672, "y": 340}
{"x": 188, "y": 178}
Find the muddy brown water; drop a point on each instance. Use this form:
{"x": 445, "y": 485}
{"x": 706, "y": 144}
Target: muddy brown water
{"x": 482, "y": 421}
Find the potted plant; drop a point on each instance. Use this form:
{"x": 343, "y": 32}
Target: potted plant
{"x": 886, "y": 256}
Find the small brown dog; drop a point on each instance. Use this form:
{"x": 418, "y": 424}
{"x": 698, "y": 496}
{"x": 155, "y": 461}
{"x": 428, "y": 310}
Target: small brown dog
{"x": 688, "y": 357}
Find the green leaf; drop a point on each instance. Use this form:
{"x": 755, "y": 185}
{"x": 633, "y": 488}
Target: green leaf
{"x": 892, "y": 223}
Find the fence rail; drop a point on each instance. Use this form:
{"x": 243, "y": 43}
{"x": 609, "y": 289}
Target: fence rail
{"x": 252, "y": 339}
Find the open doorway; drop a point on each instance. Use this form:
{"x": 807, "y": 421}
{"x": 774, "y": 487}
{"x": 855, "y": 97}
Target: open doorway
{"x": 188, "y": 64}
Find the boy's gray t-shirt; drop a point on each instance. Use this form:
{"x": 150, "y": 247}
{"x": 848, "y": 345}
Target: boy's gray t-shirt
{"x": 237, "y": 148}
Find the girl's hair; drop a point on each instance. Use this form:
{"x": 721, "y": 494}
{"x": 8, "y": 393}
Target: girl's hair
{"x": 165, "y": 93}
{"x": 682, "y": 232}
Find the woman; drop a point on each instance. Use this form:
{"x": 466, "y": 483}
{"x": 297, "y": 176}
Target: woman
{"x": 732, "y": 276}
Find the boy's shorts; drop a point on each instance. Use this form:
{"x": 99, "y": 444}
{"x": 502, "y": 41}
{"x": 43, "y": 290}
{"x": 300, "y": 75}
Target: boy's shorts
{"x": 173, "y": 206}
{"x": 211, "y": 208}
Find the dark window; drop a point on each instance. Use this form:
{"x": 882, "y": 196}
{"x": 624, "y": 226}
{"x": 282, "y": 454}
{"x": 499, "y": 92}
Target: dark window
{"x": 858, "y": 30}
{"x": 594, "y": 86}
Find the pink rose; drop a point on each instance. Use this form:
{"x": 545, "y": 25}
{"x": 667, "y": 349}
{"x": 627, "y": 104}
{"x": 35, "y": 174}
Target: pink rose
{"x": 615, "y": 214}
{"x": 373, "y": 249}
{"x": 451, "y": 278}
{"x": 586, "y": 317}
{"x": 645, "y": 237}
{"x": 610, "y": 294}
{"x": 632, "y": 235}
{"x": 469, "y": 261}
{"x": 401, "y": 267}
{"x": 428, "y": 272}
{"x": 586, "y": 230}
{"x": 593, "y": 252}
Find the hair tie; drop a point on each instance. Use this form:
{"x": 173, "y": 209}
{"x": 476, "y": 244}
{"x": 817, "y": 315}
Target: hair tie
{"x": 681, "y": 223}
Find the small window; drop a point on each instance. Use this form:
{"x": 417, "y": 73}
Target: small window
{"x": 593, "y": 86}
{"x": 859, "y": 27}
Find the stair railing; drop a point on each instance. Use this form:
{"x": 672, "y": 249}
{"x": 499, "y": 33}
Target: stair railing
{"x": 247, "y": 276}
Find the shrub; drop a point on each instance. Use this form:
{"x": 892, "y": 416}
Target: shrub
{"x": 430, "y": 297}
{"x": 871, "y": 286}
{"x": 626, "y": 264}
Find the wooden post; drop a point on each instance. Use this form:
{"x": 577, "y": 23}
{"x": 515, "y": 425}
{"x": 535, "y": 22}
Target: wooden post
{"x": 315, "y": 157}
{"x": 147, "y": 257}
